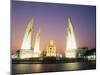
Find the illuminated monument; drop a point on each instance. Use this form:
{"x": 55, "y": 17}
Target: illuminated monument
{"x": 26, "y": 48}
{"x": 51, "y": 50}
{"x": 36, "y": 51}
{"x": 70, "y": 41}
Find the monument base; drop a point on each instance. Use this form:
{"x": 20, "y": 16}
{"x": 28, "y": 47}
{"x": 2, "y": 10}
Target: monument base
{"x": 51, "y": 54}
{"x": 71, "y": 54}
{"x": 35, "y": 55}
{"x": 26, "y": 54}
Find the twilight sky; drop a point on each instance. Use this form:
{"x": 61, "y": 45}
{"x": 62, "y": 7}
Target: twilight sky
{"x": 52, "y": 19}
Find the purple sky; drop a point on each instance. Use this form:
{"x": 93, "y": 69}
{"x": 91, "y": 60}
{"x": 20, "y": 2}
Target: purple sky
{"x": 52, "y": 19}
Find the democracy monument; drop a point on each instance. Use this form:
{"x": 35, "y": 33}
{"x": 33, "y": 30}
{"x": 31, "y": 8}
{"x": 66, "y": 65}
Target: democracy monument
{"x": 26, "y": 51}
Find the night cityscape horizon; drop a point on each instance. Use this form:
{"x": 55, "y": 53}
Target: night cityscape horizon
{"x": 52, "y": 37}
{"x": 53, "y": 20}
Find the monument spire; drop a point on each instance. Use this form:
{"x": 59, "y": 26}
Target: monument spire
{"x": 26, "y": 47}
{"x": 70, "y": 40}
{"x": 26, "y": 44}
{"x": 37, "y": 45}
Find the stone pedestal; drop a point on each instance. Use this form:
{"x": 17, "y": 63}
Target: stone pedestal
{"x": 26, "y": 53}
{"x": 71, "y": 53}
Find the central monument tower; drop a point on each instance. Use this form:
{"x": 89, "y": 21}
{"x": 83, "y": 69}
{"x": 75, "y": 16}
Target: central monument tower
{"x": 51, "y": 49}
